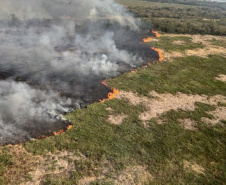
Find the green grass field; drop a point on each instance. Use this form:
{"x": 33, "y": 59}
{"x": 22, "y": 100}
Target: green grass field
{"x": 161, "y": 148}
{"x": 168, "y": 44}
{"x": 134, "y": 152}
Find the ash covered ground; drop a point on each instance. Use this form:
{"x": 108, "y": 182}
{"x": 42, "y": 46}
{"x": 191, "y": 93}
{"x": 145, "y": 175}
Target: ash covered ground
{"x": 50, "y": 64}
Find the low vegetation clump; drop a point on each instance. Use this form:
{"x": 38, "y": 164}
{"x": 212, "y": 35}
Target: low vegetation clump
{"x": 190, "y": 17}
{"x": 216, "y": 42}
{"x": 5, "y": 161}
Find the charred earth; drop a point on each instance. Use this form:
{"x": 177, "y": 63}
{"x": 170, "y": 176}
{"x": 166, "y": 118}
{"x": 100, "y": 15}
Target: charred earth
{"x": 49, "y": 67}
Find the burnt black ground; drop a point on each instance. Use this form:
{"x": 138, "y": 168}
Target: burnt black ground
{"x": 82, "y": 89}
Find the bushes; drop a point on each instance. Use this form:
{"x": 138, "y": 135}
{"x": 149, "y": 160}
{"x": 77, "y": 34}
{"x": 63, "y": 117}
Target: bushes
{"x": 175, "y": 18}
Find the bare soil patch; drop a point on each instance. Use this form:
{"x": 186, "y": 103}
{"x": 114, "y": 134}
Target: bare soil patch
{"x": 23, "y": 163}
{"x": 86, "y": 180}
{"x": 136, "y": 175}
{"x": 187, "y": 124}
{"x": 204, "y": 39}
{"x": 179, "y": 42}
{"x": 219, "y": 115}
{"x": 162, "y": 103}
{"x": 194, "y": 167}
{"x": 202, "y": 52}
{"x": 54, "y": 164}
{"x": 221, "y": 77}
{"x": 209, "y": 49}
{"x": 109, "y": 109}
{"x": 117, "y": 119}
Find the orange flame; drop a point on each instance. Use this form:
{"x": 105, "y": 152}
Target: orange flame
{"x": 58, "y": 132}
{"x": 159, "y": 52}
{"x": 148, "y": 39}
{"x": 104, "y": 83}
{"x": 134, "y": 71}
{"x": 62, "y": 130}
{"x": 69, "y": 127}
{"x": 111, "y": 95}
{"x": 156, "y": 33}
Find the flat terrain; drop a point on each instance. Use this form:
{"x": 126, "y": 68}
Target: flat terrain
{"x": 182, "y": 17}
{"x": 167, "y": 125}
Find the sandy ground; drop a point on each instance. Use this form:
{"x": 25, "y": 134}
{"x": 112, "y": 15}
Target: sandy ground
{"x": 55, "y": 164}
{"x": 117, "y": 119}
{"x": 208, "y": 49}
{"x": 187, "y": 124}
{"x": 221, "y": 77}
{"x": 136, "y": 175}
{"x": 194, "y": 167}
{"x": 162, "y": 103}
{"x": 219, "y": 115}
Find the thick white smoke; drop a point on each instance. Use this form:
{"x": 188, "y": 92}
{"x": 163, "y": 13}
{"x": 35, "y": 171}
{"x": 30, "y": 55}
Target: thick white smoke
{"x": 56, "y": 54}
{"x": 22, "y": 104}
{"x": 80, "y": 9}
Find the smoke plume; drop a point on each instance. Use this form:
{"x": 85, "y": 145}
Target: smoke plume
{"x": 53, "y": 56}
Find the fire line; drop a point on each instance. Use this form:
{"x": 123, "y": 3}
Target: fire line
{"x": 111, "y": 95}
{"x": 159, "y": 52}
{"x": 148, "y": 39}
{"x": 156, "y": 33}
{"x": 62, "y": 130}
{"x": 56, "y": 132}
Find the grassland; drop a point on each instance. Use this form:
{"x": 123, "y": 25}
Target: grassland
{"x": 105, "y": 153}
{"x": 178, "y": 43}
{"x": 184, "y": 144}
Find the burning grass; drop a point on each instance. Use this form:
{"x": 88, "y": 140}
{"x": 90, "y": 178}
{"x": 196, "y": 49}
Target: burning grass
{"x": 111, "y": 95}
{"x": 109, "y": 150}
{"x": 129, "y": 152}
{"x": 129, "y": 144}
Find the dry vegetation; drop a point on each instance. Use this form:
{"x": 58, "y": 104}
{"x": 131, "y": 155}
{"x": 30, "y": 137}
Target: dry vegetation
{"x": 166, "y": 126}
{"x": 122, "y": 141}
{"x": 105, "y": 146}
{"x": 209, "y": 48}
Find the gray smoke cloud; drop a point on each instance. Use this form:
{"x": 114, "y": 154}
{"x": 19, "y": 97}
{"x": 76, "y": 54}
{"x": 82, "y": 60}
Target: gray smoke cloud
{"x": 27, "y": 9}
{"x": 21, "y": 104}
{"x": 40, "y": 47}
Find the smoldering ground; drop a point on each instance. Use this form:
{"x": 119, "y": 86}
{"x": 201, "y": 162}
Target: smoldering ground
{"x": 50, "y": 64}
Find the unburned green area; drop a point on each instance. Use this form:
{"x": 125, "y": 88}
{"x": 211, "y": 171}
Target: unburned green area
{"x": 164, "y": 148}
{"x": 216, "y": 42}
{"x": 169, "y": 44}
{"x": 5, "y": 161}
{"x": 191, "y": 75}
{"x": 193, "y": 17}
